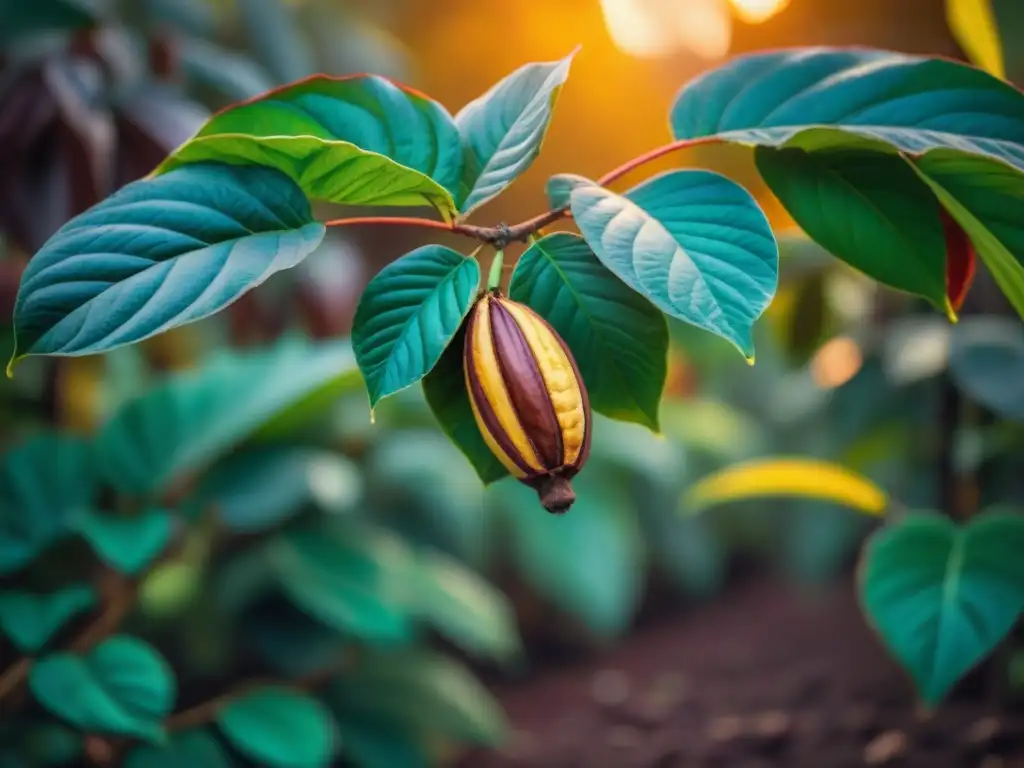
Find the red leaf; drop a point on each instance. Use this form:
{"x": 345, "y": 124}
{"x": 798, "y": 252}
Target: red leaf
{"x": 961, "y": 262}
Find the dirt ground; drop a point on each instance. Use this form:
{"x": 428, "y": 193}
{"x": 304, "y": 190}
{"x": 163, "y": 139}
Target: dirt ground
{"x": 760, "y": 677}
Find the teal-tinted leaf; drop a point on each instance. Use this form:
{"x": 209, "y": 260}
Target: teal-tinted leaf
{"x": 258, "y": 489}
{"x": 408, "y": 314}
{"x": 694, "y": 243}
{"x": 589, "y": 562}
{"x": 890, "y": 228}
{"x": 560, "y": 187}
{"x": 279, "y": 727}
{"x": 127, "y": 543}
{"x": 986, "y": 359}
{"x": 195, "y": 416}
{"x": 942, "y": 597}
{"x": 44, "y": 483}
{"x": 419, "y": 691}
{"x": 45, "y": 16}
{"x": 158, "y": 254}
{"x": 275, "y": 38}
{"x": 372, "y": 743}
{"x": 619, "y": 340}
{"x": 194, "y": 749}
{"x": 30, "y": 620}
{"x": 357, "y": 140}
{"x": 353, "y": 578}
{"x": 123, "y": 686}
{"x": 503, "y": 130}
{"x": 445, "y": 390}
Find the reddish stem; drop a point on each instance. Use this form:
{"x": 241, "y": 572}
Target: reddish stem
{"x": 654, "y": 154}
{"x": 402, "y": 221}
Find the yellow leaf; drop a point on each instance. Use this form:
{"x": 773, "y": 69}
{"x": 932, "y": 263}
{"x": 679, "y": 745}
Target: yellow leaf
{"x": 802, "y": 478}
{"x": 973, "y": 24}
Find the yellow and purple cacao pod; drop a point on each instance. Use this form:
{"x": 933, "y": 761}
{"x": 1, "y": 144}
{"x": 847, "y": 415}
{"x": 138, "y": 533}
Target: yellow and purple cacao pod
{"x": 528, "y": 397}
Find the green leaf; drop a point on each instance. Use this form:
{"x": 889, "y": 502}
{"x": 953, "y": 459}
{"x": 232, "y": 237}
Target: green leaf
{"x": 195, "y": 749}
{"x": 503, "y": 130}
{"x": 356, "y": 140}
{"x": 466, "y": 608}
{"x": 420, "y": 691}
{"x": 445, "y": 390}
{"x": 192, "y": 417}
{"x": 560, "y": 187}
{"x": 158, "y": 254}
{"x": 127, "y": 543}
{"x": 353, "y": 578}
{"x": 589, "y": 562}
{"x": 255, "y": 490}
{"x": 942, "y": 596}
{"x": 30, "y": 620}
{"x": 890, "y": 228}
{"x": 408, "y": 314}
{"x": 370, "y": 743}
{"x": 986, "y": 359}
{"x": 280, "y": 727}
{"x": 973, "y": 23}
{"x": 619, "y": 340}
{"x": 123, "y": 686}
{"x": 44, "y": 483}
{"x": 692, "y": 242}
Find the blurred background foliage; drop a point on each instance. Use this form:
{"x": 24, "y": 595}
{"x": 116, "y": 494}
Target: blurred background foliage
{"x": 292, "y": 539}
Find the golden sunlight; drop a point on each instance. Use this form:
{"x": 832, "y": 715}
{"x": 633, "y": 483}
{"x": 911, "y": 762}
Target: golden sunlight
{"x": 757, "y": 11}
{"x": 653, "y": 28}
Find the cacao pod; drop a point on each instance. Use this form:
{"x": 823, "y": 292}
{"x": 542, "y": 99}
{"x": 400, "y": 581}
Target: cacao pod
{"x": 528, "y": 397}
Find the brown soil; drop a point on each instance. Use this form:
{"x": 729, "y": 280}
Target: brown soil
{"x": 762, "y": 677}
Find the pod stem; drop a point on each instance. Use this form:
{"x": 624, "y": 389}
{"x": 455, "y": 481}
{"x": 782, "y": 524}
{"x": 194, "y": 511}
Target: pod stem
{"x": 556, "y": 494}
{"x": 494, "y": 276}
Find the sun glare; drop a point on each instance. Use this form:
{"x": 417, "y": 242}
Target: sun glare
{"x": 757, "y": 11}
{"x": 654, "y": 28}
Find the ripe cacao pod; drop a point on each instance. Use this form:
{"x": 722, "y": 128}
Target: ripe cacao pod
{"x": 528, "y": 397}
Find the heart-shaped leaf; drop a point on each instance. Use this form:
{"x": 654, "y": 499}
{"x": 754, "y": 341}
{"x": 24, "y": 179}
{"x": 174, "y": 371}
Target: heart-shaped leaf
{"x": 195, "y": 749}
{"x": 359, "y": 140}
{"x": 193, "y": 417}
{"x": 158, "y": 254}
{"x": 692, "y": 242}
{"x": 943, "y": 596}
{"x": 503, "y": 130}
{"x": 619, "y": 340}
{"x": 123, "y": 686}
{"x": 30, "y": 620}
{"x": 280, "y": 728}
{"x": 408, "y": 314}
{"x": 986, "y": 359}
{"x": 127, "y": 543}
{"x": 445, "y": 390}
{"x": 44, "y": 483}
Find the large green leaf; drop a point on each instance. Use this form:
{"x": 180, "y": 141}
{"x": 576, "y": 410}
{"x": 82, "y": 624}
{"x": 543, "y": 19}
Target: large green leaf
{"x": 123, "y": 686}
{"x": 280, "y": 728}
{"x": 619, "y": 340}
{"x": 986, "y": 359}
{"x": 357, "y": 140}
{"x": 127, "y": 543}
{"x": 45, "y": 483}
{"x": 158, "y": 254}
{"x": 408, "y": 314}
{"x": 194, "y": 416}
{"x": 890, "y": 227}
{"x": 943, "y": 596}
{"x": 827, "y": 98}
{"x": 195, "y": 749}
{"x": 30, "y": 620}
{"x": 503, "y": 130}
{"x": 445, "y": 390}
{"x": 694, "y": 243}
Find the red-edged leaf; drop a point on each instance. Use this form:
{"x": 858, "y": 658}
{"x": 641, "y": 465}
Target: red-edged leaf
{"x": 961, "y": 262}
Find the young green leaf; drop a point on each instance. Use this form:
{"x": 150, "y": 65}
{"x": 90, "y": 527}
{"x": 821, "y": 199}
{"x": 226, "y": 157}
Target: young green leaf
{"x": 359, "y": 140}
{"x": 127, "y": 543}
{"x": 942, "y": 597}
{"x": 123, "y": 686}
{"x": 408, "y": 314}
{"x": 280, "y": 728}
{"x": 45, "y": 483}
{"x": 194, "y": 749}
{"x": 503, "y": 130}
{"x": 986, "y": 359}
{"x": 692, "y": 242}
{"x": 30, "y": 620}
{"x": 158, "y": 254}
{"x": 445, "y": 390}
{"x": 890, "y": 228}
{"x": 193, "y": 417}
{"x": 619, "y": 340}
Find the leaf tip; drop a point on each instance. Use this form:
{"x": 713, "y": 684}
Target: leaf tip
{"x": 11, "y": 363}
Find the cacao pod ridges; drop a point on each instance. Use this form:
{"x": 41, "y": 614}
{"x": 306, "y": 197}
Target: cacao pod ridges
{"x": 528, "y": 397}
